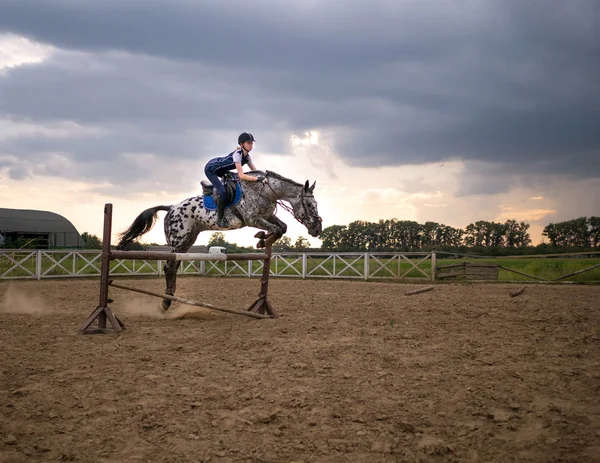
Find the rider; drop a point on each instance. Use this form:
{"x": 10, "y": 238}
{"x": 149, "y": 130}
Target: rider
{"x": 217, "y": 167}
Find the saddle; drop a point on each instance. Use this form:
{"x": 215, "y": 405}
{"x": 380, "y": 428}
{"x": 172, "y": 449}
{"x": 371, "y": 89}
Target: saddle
{"x": 232, "y": 188}
{"x": 229, "y": 182}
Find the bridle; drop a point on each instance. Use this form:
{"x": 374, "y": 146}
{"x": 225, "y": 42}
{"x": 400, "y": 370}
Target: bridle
{"x": 279, "y": 202}
{"x": 304, "y": 208}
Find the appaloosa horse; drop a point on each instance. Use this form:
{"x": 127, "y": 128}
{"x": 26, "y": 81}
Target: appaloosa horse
{"x": 254, "y": 208}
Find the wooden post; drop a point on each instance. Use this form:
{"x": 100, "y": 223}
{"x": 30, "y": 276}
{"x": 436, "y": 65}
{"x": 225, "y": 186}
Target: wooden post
{"x": 103, "y": 312}
{"x": 517, "y": 292}
{"x": 262, "y": 304}
{"x": 420, "y": 290}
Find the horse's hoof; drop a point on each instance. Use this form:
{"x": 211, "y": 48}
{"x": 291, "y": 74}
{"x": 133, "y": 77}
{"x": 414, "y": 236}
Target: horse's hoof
{"x": 260, "y": 244}
{"x": 261, "y": 234}
{"x": 166, "y": 305}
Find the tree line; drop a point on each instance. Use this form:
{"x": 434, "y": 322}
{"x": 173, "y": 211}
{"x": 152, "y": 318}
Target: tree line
{"x": 481, "y": 237}
{"x": 582, "y": 232}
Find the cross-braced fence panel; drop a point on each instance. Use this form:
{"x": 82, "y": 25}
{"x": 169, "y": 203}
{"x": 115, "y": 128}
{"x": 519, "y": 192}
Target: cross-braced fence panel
{"x": 339, "y": 265}
{"x": 400, "y": 266}
{"x": 18, "y": 265}
{"x": 190, "y": 267}
{"x": 236, "y": 268}
{"x": 215, "y": 268}
{"x": 57, "y": 264}
{"x": 286, "y": 265}
{"x": 91, "y": 263}
{"x": 63, "y": 264}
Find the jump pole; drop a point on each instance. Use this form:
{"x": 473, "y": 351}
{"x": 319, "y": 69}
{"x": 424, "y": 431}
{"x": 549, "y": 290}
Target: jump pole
{"x": 261, "y": 308}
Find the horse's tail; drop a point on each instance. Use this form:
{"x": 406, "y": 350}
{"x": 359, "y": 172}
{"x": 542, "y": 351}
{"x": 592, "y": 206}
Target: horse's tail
{"x": 141, "y": 225}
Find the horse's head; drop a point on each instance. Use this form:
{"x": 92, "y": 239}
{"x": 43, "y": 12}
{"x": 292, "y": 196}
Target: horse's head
{"x": 306, "y": 211}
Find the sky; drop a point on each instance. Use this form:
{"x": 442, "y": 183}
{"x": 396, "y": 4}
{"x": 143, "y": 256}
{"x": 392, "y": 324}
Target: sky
{"x": 417, "y": 110}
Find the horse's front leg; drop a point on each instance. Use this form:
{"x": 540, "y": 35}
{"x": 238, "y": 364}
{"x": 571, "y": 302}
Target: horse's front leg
{"x": 282, "y": 229}
{"x": 275, "y": 228}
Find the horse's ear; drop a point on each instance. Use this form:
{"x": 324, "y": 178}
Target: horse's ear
{"x": 312, "y": 188}
{"x": 306, "y": 186}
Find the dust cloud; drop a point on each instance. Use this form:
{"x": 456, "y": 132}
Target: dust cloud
{"x": 146, "y": 307}
{"x": 18, "y": 301}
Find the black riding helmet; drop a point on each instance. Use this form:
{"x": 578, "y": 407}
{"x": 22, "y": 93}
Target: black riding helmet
{"x": 245, "y": 137}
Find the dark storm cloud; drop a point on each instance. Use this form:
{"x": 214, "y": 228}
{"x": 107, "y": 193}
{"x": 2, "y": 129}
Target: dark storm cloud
{"x": 508, "y": 82}
{"x": 275, "y": 34}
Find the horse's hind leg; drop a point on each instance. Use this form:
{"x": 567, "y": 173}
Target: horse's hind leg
{"x": 170, "y": 269}
{"x": 181, "y": 232}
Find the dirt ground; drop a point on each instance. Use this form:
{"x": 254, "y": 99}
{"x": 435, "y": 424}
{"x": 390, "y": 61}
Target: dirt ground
{"x": 350, "y": 372}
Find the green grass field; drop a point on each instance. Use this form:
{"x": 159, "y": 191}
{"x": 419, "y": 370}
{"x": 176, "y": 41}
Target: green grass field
{"x": 88, "y": 264}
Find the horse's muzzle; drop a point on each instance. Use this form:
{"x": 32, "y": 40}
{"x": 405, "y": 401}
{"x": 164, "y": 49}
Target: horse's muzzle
{"x": 316, "y": 228}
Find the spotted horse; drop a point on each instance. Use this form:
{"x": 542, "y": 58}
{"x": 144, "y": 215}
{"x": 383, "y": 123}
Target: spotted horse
{"x": 255, "y": 207}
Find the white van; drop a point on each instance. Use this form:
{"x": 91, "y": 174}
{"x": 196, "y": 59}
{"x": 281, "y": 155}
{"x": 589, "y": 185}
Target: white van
{"x": 217, "y": 250}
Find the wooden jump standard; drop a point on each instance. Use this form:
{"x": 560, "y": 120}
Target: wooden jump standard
{"x": 261, "y": 308}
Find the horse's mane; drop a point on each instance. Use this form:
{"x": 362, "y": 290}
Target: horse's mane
{"x": 270, "y": 173}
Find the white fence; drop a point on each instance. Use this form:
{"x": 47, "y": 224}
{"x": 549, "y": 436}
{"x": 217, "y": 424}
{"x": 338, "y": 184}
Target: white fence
{"x": 40, "y": 264}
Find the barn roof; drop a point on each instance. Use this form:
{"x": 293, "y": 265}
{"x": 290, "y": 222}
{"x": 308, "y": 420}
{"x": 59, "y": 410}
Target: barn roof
{"x": 33, "y": 221}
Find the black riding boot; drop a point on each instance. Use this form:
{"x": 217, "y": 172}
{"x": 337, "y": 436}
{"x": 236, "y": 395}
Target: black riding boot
{"x": 221, "y": 201}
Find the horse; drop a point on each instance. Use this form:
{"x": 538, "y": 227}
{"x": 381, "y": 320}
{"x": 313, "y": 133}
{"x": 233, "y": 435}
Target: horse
{"x": 251, "y": 204}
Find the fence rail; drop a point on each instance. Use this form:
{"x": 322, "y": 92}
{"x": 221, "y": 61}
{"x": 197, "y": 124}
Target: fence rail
{"x": 44, "y": 264}
{"x": 402, "y": 266}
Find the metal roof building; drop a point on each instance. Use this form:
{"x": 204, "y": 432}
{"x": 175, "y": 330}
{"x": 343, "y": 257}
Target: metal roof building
{"x": 47, "y": 228}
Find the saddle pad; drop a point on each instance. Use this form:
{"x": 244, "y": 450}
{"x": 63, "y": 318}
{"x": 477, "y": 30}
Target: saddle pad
{"x": 209, "y": 201}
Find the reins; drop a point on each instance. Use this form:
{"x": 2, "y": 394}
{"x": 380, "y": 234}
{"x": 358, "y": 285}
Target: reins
{"x": 280, "y": 202}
